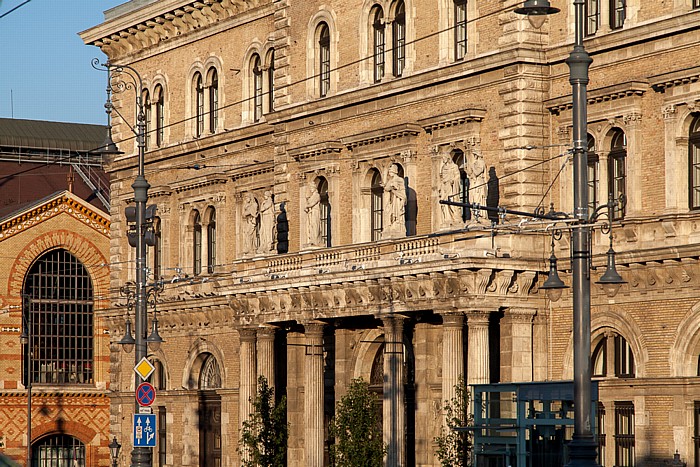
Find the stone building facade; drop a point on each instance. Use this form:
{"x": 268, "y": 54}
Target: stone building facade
{"x": 297, "y": 154}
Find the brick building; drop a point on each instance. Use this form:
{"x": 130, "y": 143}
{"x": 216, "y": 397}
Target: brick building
{"x": 297, "y": 153}
{"x": 55, "y": 269}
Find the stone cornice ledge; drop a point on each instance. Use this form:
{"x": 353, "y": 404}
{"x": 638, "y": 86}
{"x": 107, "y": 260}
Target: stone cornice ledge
{"x": 660, "y": 83}
{"x": 383, "y": 134}
{"x": 453, "y": 119}
{"x": 607, "y": 93}
{"x": 326, "y": 147}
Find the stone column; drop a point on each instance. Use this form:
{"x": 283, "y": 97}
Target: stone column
{"x": 540, "y": 342}
{"x": 266, "y": 354}
{"x": 516, "y": 345}
{"x": 313, "y": 395}
{"x": 478, "y": 346}
{"x": 452, "y": 353}
{"x": 393, "y": 404}
{"x": 248, "y": 374}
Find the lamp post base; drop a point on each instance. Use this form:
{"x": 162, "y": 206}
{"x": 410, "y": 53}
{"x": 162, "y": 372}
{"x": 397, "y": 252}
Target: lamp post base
{"x": 583, "y": 451}
{"x": 141, "y": 457}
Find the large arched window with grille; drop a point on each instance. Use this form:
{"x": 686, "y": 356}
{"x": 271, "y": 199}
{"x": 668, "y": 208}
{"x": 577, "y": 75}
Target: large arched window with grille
{"x": 694, "y": 160}
{"x": 377, "y": 206}
{"x": 58, "y": 303}
{"x": 58, "y": 451}
{"x": 613, "y": 346}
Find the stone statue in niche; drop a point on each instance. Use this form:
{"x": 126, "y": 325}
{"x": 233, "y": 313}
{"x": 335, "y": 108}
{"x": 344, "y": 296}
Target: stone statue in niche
{"x": 313, "y": 214}
{"x": 449, "y": 190}
{"x": 267, "y": 223}
{"x": 477, "y": 184}
{"x": 395, "y": 210}
{"x": 250, "y": 224}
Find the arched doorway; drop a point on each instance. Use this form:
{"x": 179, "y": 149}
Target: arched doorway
{"x": 209, "y": 412}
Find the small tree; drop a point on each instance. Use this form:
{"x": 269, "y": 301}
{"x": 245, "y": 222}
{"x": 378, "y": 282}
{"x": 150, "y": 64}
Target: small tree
{"x": 454, "y": 447}
{"x": 264, "y": 434}
{"x": 356, "y": 429}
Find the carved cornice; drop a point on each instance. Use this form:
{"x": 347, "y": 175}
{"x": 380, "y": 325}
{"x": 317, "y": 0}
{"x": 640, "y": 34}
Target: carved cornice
{"x": 660, "y": 83}
{"x": 381, "y": 135}
{"x": 199, "y": 182}
{"x": 258, "y": 170}
{"x": 129, "y": 30}
{"x": 312, "y": 150}
{"x": 595, "y": 96}
{"x": 454, "y": 119}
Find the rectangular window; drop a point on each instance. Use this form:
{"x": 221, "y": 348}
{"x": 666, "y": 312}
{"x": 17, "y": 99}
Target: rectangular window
{"x": 624, "y": 359}
{"x": 399, "y": 45}
{"x": 592, "y": 8}
{"x": 460, "y": 29}
{"x": 617, "y": 180}
{"x": 379, "y": 46}
{"x": 257, "y": 93}
{"x": 696, "y": 3}
{"x": 624, "y": 434}
{"x": 324, "y": 74}
{"x": 593, "y": 181}
{"x": 162, "y": 436}
{"x": 617, "y": 13}
{"x": 213, "y": 104}
{"x": 600, "y": 427}
{"x": 694, "y": 169}
{"x": 160, "y": 120}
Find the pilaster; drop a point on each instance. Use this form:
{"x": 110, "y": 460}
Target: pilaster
{"x": 452, "y": 353}
{"x": 394, "y": 404}
{"x": 313, "y": 394}
{"x": 478, "y": 344}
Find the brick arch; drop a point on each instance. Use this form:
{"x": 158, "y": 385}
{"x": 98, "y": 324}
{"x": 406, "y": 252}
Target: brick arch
{"x": 81, "y": 247}
{"x": 64, "y": 427}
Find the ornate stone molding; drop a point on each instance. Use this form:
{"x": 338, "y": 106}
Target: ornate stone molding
{"x": 660, "y": 83}
{"x": 595, "y": 96}
{"x": 381, "y": 135}
{"x": 313, "y": 150}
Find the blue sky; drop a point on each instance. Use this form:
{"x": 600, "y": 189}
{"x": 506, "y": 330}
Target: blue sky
{"x": 45, "y": 71}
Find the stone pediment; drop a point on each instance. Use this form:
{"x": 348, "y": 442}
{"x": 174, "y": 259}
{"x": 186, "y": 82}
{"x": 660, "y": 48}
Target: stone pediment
{"x": 596, "y": 96}
{"x": 63, "y": 202}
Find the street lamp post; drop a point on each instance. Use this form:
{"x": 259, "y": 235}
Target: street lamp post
{"x": 582, "y": 449}
{"x": 121, "y": 78}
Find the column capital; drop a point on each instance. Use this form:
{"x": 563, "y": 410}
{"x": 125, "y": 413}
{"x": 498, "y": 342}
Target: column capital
{"x": 452, "y": 319}
{"x": 247, "y": 334}
{"x": 314, "y": 328}
{"x": 267, "y": 332}
{"x": 523, "y": 315}
{"x": 478, "y": 317}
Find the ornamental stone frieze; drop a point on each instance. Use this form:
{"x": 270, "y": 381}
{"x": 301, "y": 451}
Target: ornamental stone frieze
{"x": 434, "y": 290}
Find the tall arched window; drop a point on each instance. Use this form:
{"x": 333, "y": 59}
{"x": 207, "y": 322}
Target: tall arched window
{"x": 398, "y": 36}
{"x": 694, "y": 161}
{"x": 209, "y": 413}
{"x": 59, "y": 305}
{"x": 147, "y": 116}
{"x": 197, "y": 244}
{"x": 257, "y": 87}
{"x": 271, "y": 80}
{"x": 213, "y": 85}
{"x": 160, "y": 113}
{"x": 460, "y": 28}
{"x": 60, "y": 451}
{"x": 615, "y": 346}
{"x": 211, "y": 241}
{"x": 199, "y": 104}
{"x": 325, "y": 212}
{"x": 377, "y": 206}
{"x": 379, "y": 41}
{"x": 324, "y": 59}
{"x": 461, "y": 161}
{"x": 593, "y": 176}
{"x": 617, "y": 177}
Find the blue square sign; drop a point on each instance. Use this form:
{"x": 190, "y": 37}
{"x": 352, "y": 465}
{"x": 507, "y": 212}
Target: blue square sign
{"x": 144, "y": 430}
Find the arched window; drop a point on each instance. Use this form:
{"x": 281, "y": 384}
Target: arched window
{"x": 694, "y": 160}
{"x": 213, "y": 84}
{"x": 199, "y": 104}
{"x": 160, "y": 113}
{"x": 325, "y": 212}
{"x": 324, "y": 59}
{"x": 593, "y": 176}
{"x": 377, "y": 206}
{"x": 613, "y": 344}
{"x": 617, "y": 13}
{"x": 197, "y": 244}
{"x": 398, "y": 36}
{"x": 157, "y": 378}
{"x": 211, "y": 241}
{"x": 147, "y": 115}
{"x": 271, "y": 80}
{"x": 592, "y": 13}
{"x": 59, "y": 305}
{"x": 379, "y": 41}
{"x": 257, "y": 87}
{"x": 210, "y": 375}
{"x": 60, "y": 451}
{"x": 617, "y": 177}
{"x": 460, "y": 28}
